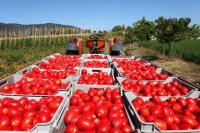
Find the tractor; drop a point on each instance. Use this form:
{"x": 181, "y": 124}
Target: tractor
{"x": 74, "y": 46}
{"x": 95, "y": 44}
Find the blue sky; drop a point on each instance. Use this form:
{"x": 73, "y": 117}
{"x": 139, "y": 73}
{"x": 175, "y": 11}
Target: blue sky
{"x": 93, "y": 14}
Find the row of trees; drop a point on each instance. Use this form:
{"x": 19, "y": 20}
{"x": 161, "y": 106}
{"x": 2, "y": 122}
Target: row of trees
{"x": 162, "y": 29}
{"x": 34, "y": 31}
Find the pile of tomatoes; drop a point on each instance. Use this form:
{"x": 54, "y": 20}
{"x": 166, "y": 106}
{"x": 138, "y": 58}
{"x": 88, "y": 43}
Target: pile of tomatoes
{"x": 138, "y": 70}
{"x": 171, "y": 114}
{"x": 48, "y": 73}
{"x": 34, "y": 87}
{"x": 173, "y": 88}
{"x": 133, "y": 65}
{"x": 23, "y": 114}
{"x": 97, "y": 111}
{"x": 61, "y": 63}
{"x": 99, "y": 78}
{"x": 96, "y": 64}
{"x": 96, "y": 57}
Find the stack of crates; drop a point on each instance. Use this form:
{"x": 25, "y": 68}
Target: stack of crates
{"x": 68, "y": 69}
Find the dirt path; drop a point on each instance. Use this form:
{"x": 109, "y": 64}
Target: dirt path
{"x": 186, "y": 70}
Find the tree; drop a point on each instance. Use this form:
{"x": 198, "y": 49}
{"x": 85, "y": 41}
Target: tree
{"x": 171, "y": 30}
{"x": 118, "y": 28}
{"x": 193, "y": 32}
{"x": 129, "y": 35}
{"x": 144, "y": 29}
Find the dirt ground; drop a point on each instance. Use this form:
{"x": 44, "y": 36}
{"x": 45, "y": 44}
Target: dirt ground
{"x": 186, "y": 70}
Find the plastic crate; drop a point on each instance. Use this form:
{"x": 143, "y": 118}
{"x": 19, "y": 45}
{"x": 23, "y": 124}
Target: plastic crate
{"x": 149, "y": 127}
{"x": 16, "y": 77}
{"x": 119, "y": 71}
{"x": 88, "y": 55}
{"x": 95, "y": 60}
{"x": 91, "y": 71}
{"x": 192, "y": 89}
{"x": 60, "y": 125}
{"x": 29, "y": 69}
{"x": 51, "y": 56}
{"x": 43, "y": 127}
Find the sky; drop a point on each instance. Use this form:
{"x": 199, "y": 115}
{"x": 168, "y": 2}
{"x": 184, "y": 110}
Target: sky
{"x": 96, "y": 15}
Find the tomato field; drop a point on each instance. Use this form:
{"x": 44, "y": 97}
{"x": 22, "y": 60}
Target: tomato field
{"x": 97, "y": 93}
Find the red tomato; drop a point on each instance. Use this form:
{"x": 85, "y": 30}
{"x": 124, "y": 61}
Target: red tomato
{"x": 5, "y": 100}
{"x": 13, "y": 103}
{"x": 172, "y": 100}
{"x": 156, "y": 99}
{"x": 16, "y": 121}
{"x": 190, "y": 100}
{"x": 88, "y": 108}
{"x": 53, "y": 105}
{"x": 156, "y": 110}
{"x": 4, "y": 122}
{"x": 6, "y": 88}
{"x": 150, "y": 118}
{"x": 31, "y": 106}
{"x": 43, "y": 117}
{"x": 176, "y": 119}
{"x": 144, "y": 112}
{"x": 189, "y": 121}
{"x": 113, "y": 114}
{"x": 166, "y": 110}
{"x": 197, "y": 126}
{"x": 160, "y": 124}
{"x": 115, "y": 107}
{"x": 191, "y": 107}
{"x": 68, "y": 116}
{"x": 168, "y": 119}
{"x": 181, "y": 101}
{"x": 27, "y": 123}
{"x": 30, "y": 113}
{"x": 86, "y": 98}
{"x": 23, "y": 101}
{"x": 176, "y": 107}
{"x": 139, "y": 100}
{"x": 101, "y": 111}
{"x": 13, "y": 112}
{"x": 184, "y": 127}
{"x": 71, "y": 128}
{"x": 126, "y": 129}
{"x": 85, "y": 124}
{"x": 83, "y": 71}
{"x": 74, "y": 100}
{"x": 172, "y": 127}
{"x": 117, "y": 122}
{"x": 103, "y": 128}
{"x": 115, "y": 130}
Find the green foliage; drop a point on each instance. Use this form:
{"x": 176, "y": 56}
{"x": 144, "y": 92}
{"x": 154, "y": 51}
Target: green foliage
{"x": 171, "y": 30}
{"x": 193, "y": 32}
{"x": 118, "y": 28}
{"x": 15, "y": 57}
{"x": 188, "y": 50}
{"x": 143, "y": 29}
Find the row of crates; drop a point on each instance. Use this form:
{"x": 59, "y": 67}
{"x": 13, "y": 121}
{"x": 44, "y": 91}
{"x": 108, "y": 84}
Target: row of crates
{"x": 72, "y": 66}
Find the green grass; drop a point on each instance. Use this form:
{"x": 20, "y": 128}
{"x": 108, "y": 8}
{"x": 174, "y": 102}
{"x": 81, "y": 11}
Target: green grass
{"x": 20, "y": 53}
{"x": 188, "y": 50}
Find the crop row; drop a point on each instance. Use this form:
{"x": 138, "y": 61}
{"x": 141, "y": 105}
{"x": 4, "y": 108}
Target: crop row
{"x": 188, "y": 50}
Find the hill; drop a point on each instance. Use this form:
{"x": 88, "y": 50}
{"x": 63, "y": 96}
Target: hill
{"x": 33, "y": 29}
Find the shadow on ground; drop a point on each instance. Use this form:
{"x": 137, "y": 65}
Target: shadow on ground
{"x": 150, "y": 57}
